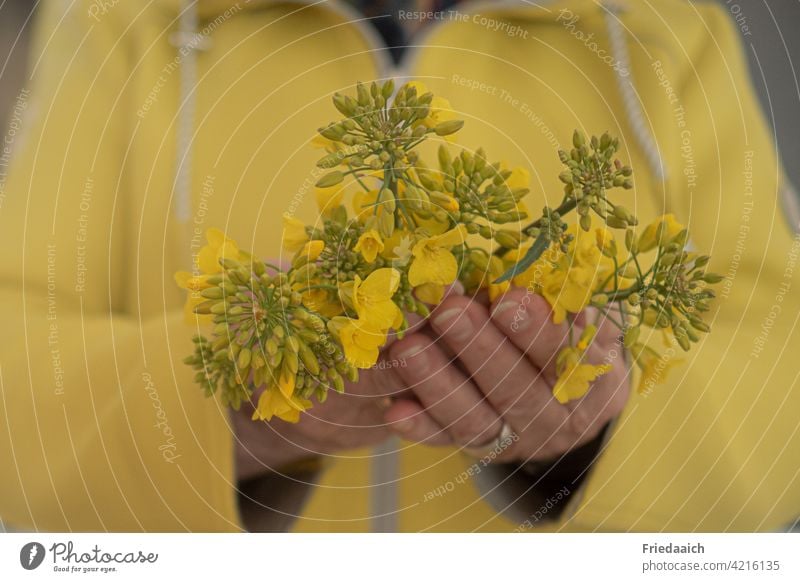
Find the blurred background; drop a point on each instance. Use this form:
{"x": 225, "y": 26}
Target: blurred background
{"x": 769, "y": 32}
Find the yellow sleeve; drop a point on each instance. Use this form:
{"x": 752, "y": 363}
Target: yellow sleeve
{"x": 715, "y": 447}
{"x": 101, "y": 425}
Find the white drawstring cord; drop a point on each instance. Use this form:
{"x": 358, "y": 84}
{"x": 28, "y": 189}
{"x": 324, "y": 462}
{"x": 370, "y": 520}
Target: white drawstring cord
{"x": 633, "y": 108}
{"x": 187, "y": 41}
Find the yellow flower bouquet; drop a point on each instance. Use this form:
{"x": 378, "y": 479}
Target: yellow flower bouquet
{"x": 295, "y": 333}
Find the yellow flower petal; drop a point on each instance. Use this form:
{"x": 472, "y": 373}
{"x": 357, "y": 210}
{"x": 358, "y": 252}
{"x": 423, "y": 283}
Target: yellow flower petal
{"x": 519, "y": 178}
{"x": 215, "y": 237}
{"x": 372, "y": 298}
{"x": 369, "y": 245}
{"x": 451, "y": 238}
{"x": 294, "y": 234}
{"x": 328, "y": 199}
{"x": 655, "y": 368}
{"x": 431, "y": 293}
{"x": 433, "y": 262}
{"x": 574, "y": 382}
{"x": 219, "y": 246}
{"x": 313, "y": 249}
{"x": 272, "y": 402}
{"x": 361, "y": 342}
{"x": 286, "y": 383}
{"x": 432, "y": 265}
{"x": 668, "y": 227}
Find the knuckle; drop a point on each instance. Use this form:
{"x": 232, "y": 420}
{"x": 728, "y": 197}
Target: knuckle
{"x": 513, "y": 398}
{"x": 582, "y": 421}
{"x": 472, "y": 429}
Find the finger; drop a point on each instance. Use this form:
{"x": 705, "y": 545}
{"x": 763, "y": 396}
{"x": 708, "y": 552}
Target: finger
{"x": 502, "y": 371}
{"x": 446, "y": 393}
{"x": 526, "y": 319}
{"x": 410, "y": 421}
{"x": 378, "y": 382}
{"x": 606, "y": 397}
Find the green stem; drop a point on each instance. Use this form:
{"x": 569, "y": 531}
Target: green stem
{"x": 620, "y": 295}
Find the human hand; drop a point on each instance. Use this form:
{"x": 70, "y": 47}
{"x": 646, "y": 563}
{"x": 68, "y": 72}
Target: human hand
{"x": 484, "y": 365}
{"x": 344, "y": 421}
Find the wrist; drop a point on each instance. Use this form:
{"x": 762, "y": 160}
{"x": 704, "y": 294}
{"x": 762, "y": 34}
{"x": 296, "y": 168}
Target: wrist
{"x": 260, "y": 449}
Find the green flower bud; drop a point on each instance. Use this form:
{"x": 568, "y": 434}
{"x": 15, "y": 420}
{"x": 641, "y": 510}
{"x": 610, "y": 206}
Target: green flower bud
{"x": 330, "y": 161}
{"x": 387, "y": 201}
{"x": 479, "y": 259}
{"x": 244, "y": 358}
{"x": 309, "y": 359}
{"x": 290, "y": 361}
{"x": 212, "y": 293}
{"x": 615, "y": 222}
{"x": 387, "y": 89}
{"x": 218, "y": 308}
{"x": 330, "y": 179}
{"x": 333, "y": 132}
{"x": 386, "y": 224}
{"x": 507, "y": 238}
{"x": 448, "y": 127}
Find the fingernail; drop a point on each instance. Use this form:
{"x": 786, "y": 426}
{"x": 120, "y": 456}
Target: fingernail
{"x": 455, "y": 323}
{"x": 504, "y": 306}
{"x": 407, "y": 352}
{"x": 515, "y": 320}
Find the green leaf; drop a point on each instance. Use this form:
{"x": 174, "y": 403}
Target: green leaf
{"x": 538, "y": 247}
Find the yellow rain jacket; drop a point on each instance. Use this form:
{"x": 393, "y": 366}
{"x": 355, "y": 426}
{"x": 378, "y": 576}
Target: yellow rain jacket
{"x": 139, "y": 128}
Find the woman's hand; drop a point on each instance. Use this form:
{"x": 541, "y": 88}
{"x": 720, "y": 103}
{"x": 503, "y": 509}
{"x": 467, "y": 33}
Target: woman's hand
{"x": 487, "y": 365}
{"x": 345, "y": 421}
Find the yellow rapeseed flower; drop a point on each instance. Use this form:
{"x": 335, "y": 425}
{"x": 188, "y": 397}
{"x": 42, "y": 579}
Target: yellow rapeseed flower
{"x": 587, "y": 337}
{"x": 398, "y": 247}
{"x": 313, "y": 249}
{"x": 194, "y": 284}
{"x": 372, "y": 298}
{"x": 273, "y": 402}
{"x": 568, "y": 280}
{"x": 369, "y": 245}
{"x": 361, "y": 341}
{"x": 655, "y": 367}
{"x": 294, "y": 234}
{"x": 430, "y": 293}
{"x": 574, "y": 383}
{"x": 321, "y": 301}
{"x": 365, "y": 205}
{"x": 328, "y": 199}
{"x": 219, "y": 247}
{"x": 433, "y": 261}
{"x": 575, "y": 377}
{"x": 567, "y": 291}
{"x": 649, "y": 238}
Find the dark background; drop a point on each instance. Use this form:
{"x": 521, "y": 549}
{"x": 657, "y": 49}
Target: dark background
{"x": 773, "y": 47}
